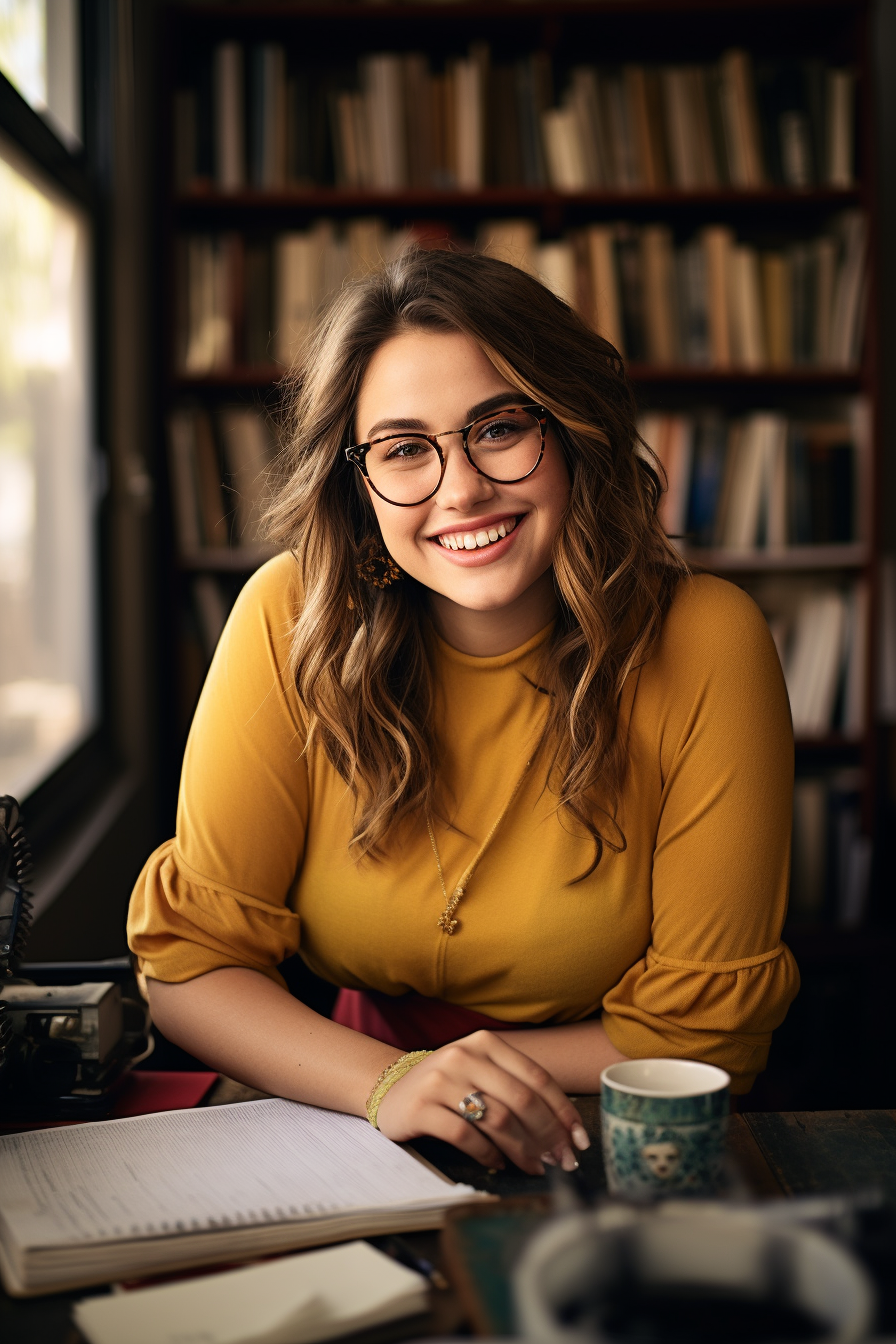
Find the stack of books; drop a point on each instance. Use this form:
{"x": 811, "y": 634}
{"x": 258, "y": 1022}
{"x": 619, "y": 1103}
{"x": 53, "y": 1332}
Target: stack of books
{"x": 762, "y": 482}
{"x": 257, "y": 116}
{"x": 711, "y": 301}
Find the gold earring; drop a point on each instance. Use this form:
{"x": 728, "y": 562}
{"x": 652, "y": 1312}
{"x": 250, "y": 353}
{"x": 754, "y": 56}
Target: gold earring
{"x": 375, "y": 565}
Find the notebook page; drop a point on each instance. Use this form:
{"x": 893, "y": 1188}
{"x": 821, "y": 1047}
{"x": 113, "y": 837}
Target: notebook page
{"x": 188, "y": 1171}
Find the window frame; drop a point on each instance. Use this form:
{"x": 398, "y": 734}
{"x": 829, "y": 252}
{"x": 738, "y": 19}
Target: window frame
{"x": 92, "y": 765}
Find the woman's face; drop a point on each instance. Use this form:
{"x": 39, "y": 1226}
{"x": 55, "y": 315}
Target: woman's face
{"x": 436, "y": 381}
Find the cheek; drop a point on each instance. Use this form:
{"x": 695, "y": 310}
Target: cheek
{"x": 399, "y": 527}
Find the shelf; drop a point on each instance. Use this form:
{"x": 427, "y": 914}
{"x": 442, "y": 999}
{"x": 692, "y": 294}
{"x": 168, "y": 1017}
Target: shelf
{"x": 227, "y": 559}
{"x": 799, "y": 378}
{"x": 464, "y": 13}
{"x": 316, "y": 200}
{"x": 844, "y": 556}
{"x": 832, "y": 744}
{"x": 239, "y": 376}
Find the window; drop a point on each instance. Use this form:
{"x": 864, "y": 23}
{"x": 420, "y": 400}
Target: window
{"x": 39, "y": 55}
{"x": 49, "y": 701}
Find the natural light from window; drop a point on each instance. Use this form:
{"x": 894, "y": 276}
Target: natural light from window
{"x": 39, "y": 55}
{"x": 48, "y": 665}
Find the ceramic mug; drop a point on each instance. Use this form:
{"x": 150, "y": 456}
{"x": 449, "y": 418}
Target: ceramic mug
{"x": 663, "y": 1125}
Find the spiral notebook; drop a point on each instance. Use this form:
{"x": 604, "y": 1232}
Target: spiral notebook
{"x": 125, "y": 1198}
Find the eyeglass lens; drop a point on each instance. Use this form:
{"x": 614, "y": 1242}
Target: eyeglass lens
{"x": 406, "y": 469}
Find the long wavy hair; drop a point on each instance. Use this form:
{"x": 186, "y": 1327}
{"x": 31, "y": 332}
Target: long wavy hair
{"x": 361, "y": 654}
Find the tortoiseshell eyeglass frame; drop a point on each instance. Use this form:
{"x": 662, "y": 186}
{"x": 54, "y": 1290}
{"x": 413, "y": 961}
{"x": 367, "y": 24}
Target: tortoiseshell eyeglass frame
{"x": 357, "y": 453}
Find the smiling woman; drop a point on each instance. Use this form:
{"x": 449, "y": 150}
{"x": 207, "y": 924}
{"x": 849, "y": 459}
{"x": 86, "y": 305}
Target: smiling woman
{"x": 477, "y": 746}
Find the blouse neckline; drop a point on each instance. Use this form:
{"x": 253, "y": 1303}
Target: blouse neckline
{"x": 493, "y": 661}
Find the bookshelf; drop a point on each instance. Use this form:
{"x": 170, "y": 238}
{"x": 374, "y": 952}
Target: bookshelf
{"x": 811, "y": 194}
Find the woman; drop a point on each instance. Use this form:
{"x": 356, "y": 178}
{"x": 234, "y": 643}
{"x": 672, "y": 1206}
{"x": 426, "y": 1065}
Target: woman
{"x": 477, "y": 745}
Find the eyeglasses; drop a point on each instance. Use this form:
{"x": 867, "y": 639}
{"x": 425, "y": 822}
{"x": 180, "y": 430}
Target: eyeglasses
{"x": 407, "y": 469}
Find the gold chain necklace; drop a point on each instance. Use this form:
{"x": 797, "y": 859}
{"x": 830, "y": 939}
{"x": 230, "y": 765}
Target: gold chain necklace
{"x": 446, "y": 921}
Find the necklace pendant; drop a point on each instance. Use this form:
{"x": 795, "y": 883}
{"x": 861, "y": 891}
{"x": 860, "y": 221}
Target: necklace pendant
{"x": 446, "y": 923}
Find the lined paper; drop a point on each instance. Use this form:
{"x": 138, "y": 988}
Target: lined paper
{"x": 222, "y": 1167}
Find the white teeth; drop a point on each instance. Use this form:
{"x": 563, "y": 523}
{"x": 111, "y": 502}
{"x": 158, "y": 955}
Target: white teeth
{"x": 471, "y": 541}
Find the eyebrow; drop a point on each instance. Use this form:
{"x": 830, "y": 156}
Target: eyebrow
{"x": 481, "y": 408}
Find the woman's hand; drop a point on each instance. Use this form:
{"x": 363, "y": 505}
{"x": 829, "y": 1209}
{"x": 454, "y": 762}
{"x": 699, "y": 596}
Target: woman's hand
{"x": 528, "y": 1117}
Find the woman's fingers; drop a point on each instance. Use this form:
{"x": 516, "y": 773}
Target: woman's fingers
{"x": 528, "y": 1117}
{"x": 516, "y": 1118}
{"x": 463, "y": 1134}
{"x": 534, "y": 1077}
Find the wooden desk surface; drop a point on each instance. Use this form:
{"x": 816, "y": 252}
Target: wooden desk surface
{"x": 786, "y": 1153}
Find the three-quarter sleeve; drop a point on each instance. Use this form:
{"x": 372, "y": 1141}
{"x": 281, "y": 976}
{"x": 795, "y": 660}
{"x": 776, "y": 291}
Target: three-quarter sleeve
{"x": 716, "y": 979}
{"x": 217, "y": 894}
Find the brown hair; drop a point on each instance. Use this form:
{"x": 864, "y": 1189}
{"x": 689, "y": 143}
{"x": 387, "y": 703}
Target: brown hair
{"x": 360, "y": 653}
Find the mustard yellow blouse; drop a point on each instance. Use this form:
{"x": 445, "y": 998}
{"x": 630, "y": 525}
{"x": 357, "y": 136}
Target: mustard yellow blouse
{"x": 676, "y": 939}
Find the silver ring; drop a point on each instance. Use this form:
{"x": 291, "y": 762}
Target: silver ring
{"x": 472, "y": 1107}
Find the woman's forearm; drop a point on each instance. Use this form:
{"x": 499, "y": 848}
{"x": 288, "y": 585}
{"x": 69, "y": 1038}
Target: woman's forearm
{"x": 575, "y": 1054}
{"x": 239, "y": 1022}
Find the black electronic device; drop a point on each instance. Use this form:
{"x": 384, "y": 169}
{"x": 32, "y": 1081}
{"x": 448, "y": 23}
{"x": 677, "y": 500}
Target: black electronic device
{"x": 69, "y": 1032}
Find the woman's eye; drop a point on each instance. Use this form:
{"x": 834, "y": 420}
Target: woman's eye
{"x": 411, "y": 448}
{"x": 498, "y": 429}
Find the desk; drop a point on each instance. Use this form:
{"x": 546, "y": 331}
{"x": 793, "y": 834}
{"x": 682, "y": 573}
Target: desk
{"x": 790, "y": 1153}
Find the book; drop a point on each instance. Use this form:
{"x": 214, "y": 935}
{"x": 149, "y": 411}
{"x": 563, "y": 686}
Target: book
{"x": 212, "y": 509}
{"x": 184, "y": 486}
{"x": 606, "y": 305}
{"x": 660, "y": 304}
{"x": 382, "y": 83}
{"x": 212, "y": 610}
{"x": 556, "y": 267}
{"x": 187, "y": 1188}
{"x": 718, "y": 241}
{"x": 511, "y": 240}
{"x": 564, "y": 155}
{"x": 229, "y": 120}
{"x": 840, "y": 128}
{"x": 299, "y": 1299}
{"x": 813, "y": 669}
{"x": 808, "y": 862}
{"x": 740, "y": 119}
{"x": 469, "y": 78}
{"x": 247, "y": 454}
{"x": 747, "y": 336}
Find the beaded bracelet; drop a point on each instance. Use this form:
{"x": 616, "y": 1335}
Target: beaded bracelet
{"x": 391, "y": 1075}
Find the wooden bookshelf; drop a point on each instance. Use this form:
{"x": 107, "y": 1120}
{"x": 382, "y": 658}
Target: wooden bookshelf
{"x": 598, "y": 32}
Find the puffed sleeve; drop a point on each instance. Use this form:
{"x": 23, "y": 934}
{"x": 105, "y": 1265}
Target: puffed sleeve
{"x": 716, "y": 979}
{"x": 216, "y": 895}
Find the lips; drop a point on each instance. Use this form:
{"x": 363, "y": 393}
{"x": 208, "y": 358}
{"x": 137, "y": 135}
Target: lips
{"x": 476, "y": 539}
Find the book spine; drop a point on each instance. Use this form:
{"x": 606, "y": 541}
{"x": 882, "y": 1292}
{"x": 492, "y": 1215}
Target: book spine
{"x": 229, "y": 121}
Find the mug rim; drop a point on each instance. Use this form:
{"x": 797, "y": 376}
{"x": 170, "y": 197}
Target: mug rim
{"x": 720, "y": 1081}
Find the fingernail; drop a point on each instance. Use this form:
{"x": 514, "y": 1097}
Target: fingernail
{"x": 569, "y": 1162}
{"x": 580, "y": 1137}
{"x": 549, "y": 1159}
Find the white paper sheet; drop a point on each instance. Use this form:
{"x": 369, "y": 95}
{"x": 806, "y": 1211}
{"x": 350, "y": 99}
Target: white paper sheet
{"x": 297, "y": 1300}
{"x": 188, "y": 1171}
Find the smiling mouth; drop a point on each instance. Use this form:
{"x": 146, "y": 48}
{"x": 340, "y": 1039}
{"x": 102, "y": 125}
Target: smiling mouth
{"x": 478, "y": 540}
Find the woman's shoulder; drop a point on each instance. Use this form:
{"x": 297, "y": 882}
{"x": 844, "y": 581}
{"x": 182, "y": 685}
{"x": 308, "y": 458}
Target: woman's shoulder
{"x": 713, "y": 629}
{"x": 264, "y": 614}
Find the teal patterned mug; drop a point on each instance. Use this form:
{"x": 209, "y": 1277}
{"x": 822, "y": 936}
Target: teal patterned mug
{"x": 663, "y": 1125}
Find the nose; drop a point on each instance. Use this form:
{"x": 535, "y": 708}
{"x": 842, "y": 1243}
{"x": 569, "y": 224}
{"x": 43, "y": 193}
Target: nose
{"x": 462, "y": 484}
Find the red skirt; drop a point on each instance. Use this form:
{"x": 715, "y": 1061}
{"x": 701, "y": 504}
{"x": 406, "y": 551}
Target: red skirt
{"x": 410, "y": 1021}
